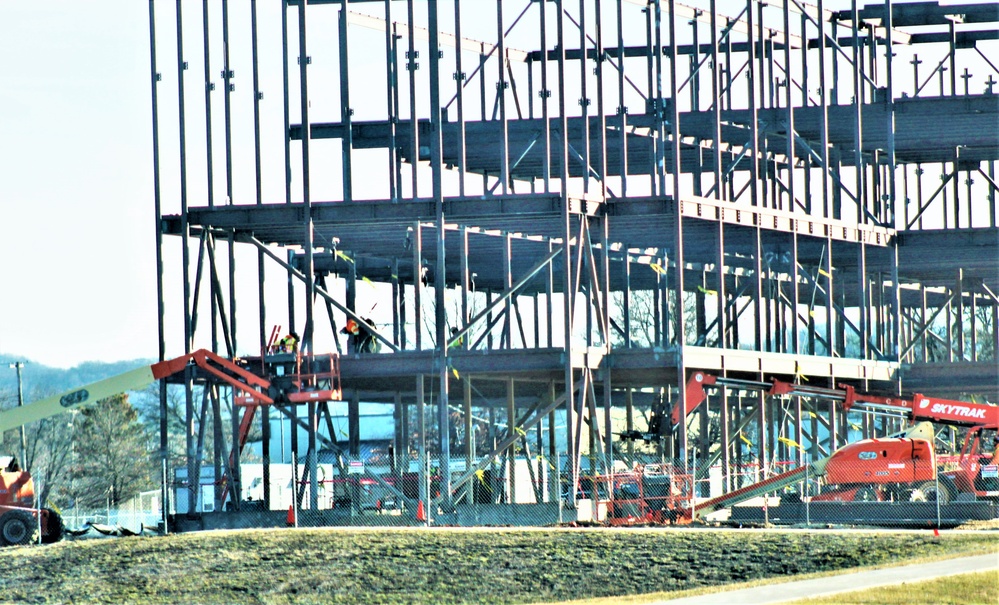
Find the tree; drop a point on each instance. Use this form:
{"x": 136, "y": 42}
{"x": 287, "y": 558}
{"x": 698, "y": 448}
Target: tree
{"x": 114, "y": 460}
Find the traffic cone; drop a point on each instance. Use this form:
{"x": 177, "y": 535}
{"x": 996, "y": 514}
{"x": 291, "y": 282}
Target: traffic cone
{"x": 936, "y": 532}
{"x": 291, "y": 515}
{"x": 421, "y": 515}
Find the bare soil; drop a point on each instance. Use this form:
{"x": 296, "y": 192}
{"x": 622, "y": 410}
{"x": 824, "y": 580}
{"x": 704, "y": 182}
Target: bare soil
{"x": 440, "y": 566}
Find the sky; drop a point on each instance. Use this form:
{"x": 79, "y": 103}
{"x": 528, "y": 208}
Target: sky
{"x": 77, "y": 276}
{"x": 77, "y": 279}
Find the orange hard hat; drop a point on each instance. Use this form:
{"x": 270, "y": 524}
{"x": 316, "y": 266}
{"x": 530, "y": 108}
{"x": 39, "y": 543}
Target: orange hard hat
{"x": 352, "y": 326}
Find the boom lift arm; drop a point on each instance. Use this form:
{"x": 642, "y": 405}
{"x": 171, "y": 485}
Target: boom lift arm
{"x": 228, "y": 372}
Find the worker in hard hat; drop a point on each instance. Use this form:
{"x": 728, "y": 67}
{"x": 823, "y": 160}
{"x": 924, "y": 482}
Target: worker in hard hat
{"x": 360, "y": 336}
{"x": 289, "y": 344}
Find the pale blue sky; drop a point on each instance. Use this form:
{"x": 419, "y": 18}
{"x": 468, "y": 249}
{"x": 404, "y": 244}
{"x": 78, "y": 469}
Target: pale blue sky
{"x": 77, "y": 273}
{"x": 77, "y": 264}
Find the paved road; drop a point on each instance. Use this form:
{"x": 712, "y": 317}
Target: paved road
{"x": 848, "y": 582}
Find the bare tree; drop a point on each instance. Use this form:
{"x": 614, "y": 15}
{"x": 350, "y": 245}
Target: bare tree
{"x": 112, "y": 450}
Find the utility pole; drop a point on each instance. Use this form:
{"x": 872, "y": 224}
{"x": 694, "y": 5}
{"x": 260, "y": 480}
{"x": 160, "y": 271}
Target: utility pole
{"x": 17, "y": 365}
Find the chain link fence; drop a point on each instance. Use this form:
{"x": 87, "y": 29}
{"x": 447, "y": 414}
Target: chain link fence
{"x": 541, "y": 491}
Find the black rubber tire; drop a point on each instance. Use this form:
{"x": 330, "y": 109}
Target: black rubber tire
{"x": 55, "y": 530}
{"x": 866, "y": 494}
{"x": 16, "y": 528}
{"x": 928, "y": 491}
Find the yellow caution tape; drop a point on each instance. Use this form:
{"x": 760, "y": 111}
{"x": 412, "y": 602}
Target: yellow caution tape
{"x": 790, "y": 443}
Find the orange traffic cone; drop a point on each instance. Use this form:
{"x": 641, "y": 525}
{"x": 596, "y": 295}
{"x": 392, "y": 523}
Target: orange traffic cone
{"x": 291, "y": 515}
{"x": 421, "y": 515}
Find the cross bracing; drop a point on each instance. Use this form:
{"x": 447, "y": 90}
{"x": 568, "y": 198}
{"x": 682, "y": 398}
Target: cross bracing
{"x": 598, "y": 197}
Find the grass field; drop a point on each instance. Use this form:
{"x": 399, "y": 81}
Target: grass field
{"x": 964, "y": 589}
{"x": 319, "y": 566}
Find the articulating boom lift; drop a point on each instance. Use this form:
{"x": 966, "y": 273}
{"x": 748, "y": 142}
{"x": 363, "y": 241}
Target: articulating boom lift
{"x": 902, "y": 466}
{"x": 276, "y": 377}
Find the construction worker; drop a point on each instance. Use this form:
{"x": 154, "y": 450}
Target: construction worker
{"x": 289, "y": 344}
{"x": 360, "y": 336}
{"x": 458, "y": 343}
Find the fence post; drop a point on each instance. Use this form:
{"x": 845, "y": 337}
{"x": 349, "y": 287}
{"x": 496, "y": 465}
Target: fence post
{"x": 807, "y": 498}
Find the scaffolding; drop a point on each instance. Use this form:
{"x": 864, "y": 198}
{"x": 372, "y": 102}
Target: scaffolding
{"x": 564, "y": 208}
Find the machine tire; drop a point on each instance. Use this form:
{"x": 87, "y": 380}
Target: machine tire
{"x": 56, "y": 528}
{"x": 16, "y": 528}
{"x": 927, "y": 492}
{"x": 866, "y": 494}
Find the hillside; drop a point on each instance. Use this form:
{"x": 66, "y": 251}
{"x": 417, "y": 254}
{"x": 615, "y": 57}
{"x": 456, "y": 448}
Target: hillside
{"x": 39, "y": 380}
{"x": 321, "y": 566}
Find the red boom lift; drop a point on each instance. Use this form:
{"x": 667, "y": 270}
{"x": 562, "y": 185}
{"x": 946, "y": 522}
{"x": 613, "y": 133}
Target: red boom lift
{"x": 901, "y": 466}
{"x": 276, "y": 377}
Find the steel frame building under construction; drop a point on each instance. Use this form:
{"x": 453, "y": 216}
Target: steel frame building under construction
{"x": 566, "y": 207}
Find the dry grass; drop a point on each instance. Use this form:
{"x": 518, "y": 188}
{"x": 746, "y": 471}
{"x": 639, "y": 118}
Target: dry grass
{"x": 965, "y": 589}
{"x": 320, "y": 566}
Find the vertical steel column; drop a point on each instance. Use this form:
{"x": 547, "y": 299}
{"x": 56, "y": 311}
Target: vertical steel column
{"x": 313, "y": 456}
{"x": 310, "y": 285}
{"x": 511, "y": 454}
{"x": 605, "y": 328}
{"x": 544, "y": 94}
{"x": 504, "y": 175}
{"x": 154, "y": 77}
{"x": 567, "y": 255}
{"x": 858, "y": 104}
{"x": 796, "y": 296}
{"x": 584, "y": 102}
{"x": 959, "y": 312}
{"x": 754, "y": 126}
{"x": 470, "y": 450}
{"x": 601, "y": 114}
{"x": 400, "y": 453}
{"x": 678, "y": 252}
{"x": 716, "y": 102}
{"x": 228, "y": 87}
{"x": 265, "y": 420}
{"x": 761, "y": 79}
{"x": 660, "y": 138}
{"x": 721, "y": 289}
{"x": 626, "y": 295}
{"x": 398, "y": 325}
{"x": 824, "y": 113}
{"x": 391, "y": 101}
{"x": 411, "y": 67}
{"x": 466, "y": 282}
{"x": 418, "y": 284}
{"x": 440, "y": 282}
{"x": 192, "y": 468}
{"x": 828, "y": 270}
{"x": 421, "y": 443}
{"x": 209, "y": 86}
{"x": 807, "y": 158}
{"x": 650, "y": 65}
{"x": 287, "y": 103}
{"x": 459, "y": 78}
{"x": 889, "y": 101}
{"x": 789, "y": 116}
{"x": 345, "y": 111}
{"x": 622, "y": 110}
{"x": 507, "y": 287}
{"x": 862, "y": 300}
